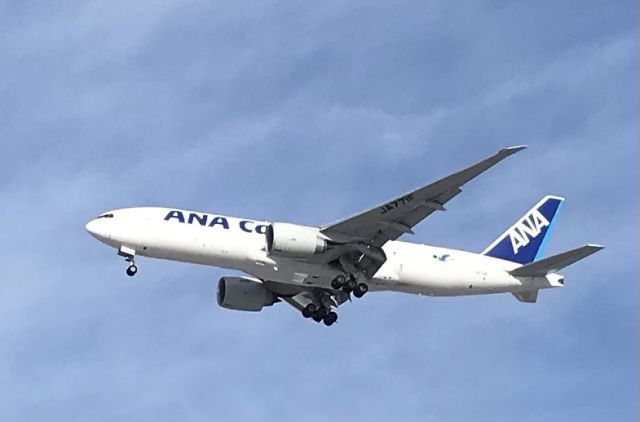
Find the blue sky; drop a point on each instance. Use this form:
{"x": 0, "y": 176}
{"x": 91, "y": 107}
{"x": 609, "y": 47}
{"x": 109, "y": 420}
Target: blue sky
{"x": 307, "y": 113}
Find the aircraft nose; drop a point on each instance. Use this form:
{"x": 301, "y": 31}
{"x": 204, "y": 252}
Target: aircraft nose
{"x": 91, "y": 227}
{"x": 96, "y": 229}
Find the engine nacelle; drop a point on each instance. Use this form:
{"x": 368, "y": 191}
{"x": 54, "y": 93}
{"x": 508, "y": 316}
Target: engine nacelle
{"x": 293, "y": 241}
{"x": 243, "y": 294}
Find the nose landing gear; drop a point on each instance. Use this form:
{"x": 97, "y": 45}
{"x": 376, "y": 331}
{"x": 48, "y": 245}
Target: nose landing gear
{"x": 129, "y": 256}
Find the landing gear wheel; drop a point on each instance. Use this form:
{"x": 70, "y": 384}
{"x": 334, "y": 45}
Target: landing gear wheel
{"x": 338, "y": 282}
{"x": 351, "y": 283}
{"x": 330, "y": 319}
{"x": 360, "y": 290}
{"x": 132, "y": 270}
{"x": 308, "y": 310}
{"x": 319, "y": 314}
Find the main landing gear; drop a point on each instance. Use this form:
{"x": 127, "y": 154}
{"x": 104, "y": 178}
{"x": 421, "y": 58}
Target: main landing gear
{"x": 320, "y": 314}
{"x": 349, "y": 285}
{"x": 129, "y": 256}
{"x": 321, "y": 309}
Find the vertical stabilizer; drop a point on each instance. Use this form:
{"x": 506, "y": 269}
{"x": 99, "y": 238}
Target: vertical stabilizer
{"x": 524, "y": 242}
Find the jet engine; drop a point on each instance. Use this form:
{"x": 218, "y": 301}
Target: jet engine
{"x": 243, "y": 294}
{"x": 293, "y": 241}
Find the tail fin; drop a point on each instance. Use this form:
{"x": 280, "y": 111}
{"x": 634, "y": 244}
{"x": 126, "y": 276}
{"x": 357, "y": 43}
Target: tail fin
{"x": 524, "y": 242}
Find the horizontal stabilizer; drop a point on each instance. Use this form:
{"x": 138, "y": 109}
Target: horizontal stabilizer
{"x": 554, "y": 263}
{"x": 527, "y": 297}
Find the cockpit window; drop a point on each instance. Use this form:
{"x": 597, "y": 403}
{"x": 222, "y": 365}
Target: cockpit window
{"x": 106, "y": 216}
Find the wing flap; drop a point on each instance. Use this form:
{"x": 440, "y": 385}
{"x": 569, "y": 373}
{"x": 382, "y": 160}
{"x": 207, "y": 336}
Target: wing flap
{"x": 555, "y": 263}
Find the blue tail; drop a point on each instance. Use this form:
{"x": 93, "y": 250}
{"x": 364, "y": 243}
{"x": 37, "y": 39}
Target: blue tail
{"x": 524, "y": 242}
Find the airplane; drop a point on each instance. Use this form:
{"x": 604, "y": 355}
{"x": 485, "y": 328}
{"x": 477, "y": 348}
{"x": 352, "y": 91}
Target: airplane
{"x": 318, "y": 269}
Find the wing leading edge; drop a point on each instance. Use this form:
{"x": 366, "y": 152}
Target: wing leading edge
{"x": 390, "y": 220}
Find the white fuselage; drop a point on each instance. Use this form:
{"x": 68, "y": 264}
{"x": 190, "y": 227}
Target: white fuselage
{"x": 239, "y": 244}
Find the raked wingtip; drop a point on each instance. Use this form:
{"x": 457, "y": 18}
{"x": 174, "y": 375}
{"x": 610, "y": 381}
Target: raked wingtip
{"x": 514, "y": 149}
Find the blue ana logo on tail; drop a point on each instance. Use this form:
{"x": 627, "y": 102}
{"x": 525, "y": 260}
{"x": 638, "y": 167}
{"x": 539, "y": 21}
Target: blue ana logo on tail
{"x": 524, "y": 241}
{"x": 530, "y": 227}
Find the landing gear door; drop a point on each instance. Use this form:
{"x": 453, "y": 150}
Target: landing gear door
{"x": 392, "y": 268}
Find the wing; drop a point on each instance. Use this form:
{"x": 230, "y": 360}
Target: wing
{"x": 392, "y": 219}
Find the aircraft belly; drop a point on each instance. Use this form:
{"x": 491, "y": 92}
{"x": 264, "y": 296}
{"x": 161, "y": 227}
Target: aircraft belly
{"x": 451, "y": 273}
{"x": 293, "y": 272}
